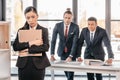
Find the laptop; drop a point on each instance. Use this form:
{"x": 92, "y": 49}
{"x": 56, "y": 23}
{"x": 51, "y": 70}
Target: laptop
{"x": 29, "y": 35}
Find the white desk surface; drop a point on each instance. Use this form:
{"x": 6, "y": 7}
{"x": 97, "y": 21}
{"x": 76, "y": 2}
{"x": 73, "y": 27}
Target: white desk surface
{"x": 114, "y": 66}
{"x": 81, "y": 67}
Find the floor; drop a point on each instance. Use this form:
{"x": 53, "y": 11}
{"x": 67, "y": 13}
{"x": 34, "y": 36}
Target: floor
{"x": 64, "y": 78}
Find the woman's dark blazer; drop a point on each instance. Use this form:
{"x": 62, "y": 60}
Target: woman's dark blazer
{"x": 40, "y": 61}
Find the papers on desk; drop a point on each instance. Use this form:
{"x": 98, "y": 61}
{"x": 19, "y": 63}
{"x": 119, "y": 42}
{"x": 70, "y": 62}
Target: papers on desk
{"x": 58, "y": 61}
{"x": 91, "y": 62}
{"x": 106, "y": 64}
{"x": 64, "y": 62}
{"x": 74, "y": 62}
{"x": 95, "y": 62}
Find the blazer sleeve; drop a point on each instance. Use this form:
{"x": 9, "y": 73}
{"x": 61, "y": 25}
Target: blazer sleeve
{"x": 41, "y": 48}
{"x": 80, "y": 43}
{"x": 74, "y": 45}
{"x": 53, "y": 41}
{"x": 17, "y": 46}
{"x": 108, "y": 45}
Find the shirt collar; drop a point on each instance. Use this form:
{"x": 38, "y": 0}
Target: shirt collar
{"x": 33, "y": 27}
{"x": 67, "y": 25}
{"x": 92, "y": 31}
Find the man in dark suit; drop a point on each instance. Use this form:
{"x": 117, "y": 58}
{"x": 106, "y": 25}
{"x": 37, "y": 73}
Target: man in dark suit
{"x": 94, "y": 36}
{"x": 68, "y": 35}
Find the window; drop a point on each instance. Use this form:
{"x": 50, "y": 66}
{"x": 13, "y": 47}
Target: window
{"x": 115, "y": 25}
{"x": 51, "y": 13}
{"x": 88, "y": 8}
{"x": 15, "y": 8}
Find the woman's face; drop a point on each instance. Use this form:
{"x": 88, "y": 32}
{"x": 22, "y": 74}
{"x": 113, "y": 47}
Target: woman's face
{"x": 31, "y": 18}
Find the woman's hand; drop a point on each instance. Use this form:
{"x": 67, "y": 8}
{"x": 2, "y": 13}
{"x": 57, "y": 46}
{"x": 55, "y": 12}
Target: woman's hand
{"x": 36, "y": 42}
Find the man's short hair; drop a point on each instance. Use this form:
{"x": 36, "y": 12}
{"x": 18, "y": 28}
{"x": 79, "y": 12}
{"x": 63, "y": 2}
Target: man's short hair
{"x": 92, "y": 19}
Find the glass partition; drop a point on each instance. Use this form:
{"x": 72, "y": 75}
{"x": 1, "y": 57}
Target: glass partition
{"x": 88, "y": 8}
{"x": 115, "y": 25}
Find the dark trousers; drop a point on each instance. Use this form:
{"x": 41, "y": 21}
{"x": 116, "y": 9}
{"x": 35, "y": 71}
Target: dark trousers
{"x": 30, "y": 72}
{"x": 90, "y": 76}
{"x": 69, "y": 75}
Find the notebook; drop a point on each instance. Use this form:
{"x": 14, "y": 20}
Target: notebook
{"x": 29, "y": 35}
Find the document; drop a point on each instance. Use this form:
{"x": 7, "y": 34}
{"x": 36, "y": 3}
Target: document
{"x": 93, "y": 62}
{"x": 64, "y": 62}
{"x": 29, "y": 35}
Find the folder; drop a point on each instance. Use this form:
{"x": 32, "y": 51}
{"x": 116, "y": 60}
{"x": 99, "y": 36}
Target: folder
{"x": 29, "y": 35}
{"x": 94, "y": 62}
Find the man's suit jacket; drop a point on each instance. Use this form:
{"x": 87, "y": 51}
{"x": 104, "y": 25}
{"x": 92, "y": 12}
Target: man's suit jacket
{"x": 70, "y": 42}
{"x": 40, "y": 61}
{"x": 94, "y": 49}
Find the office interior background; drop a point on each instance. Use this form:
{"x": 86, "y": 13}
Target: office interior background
{"x": 51, "y": 11}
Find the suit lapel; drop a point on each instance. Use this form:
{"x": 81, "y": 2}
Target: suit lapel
{"x": 95, "y": 36}
{"x": 88, "y": 36}
{"x": 62, "y": 30}
{"x": 38, "y": 27}
{"x": 70, "y": 31}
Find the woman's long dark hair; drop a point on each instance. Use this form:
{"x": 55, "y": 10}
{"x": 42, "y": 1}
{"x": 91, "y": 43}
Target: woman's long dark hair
{"x": 28, "y": 9}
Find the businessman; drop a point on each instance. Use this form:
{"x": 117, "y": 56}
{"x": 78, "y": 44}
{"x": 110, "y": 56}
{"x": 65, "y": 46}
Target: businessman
{"x": 93, "y": 35}
{"x": 68, "y": 35}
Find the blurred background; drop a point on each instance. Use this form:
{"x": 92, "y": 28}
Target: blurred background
{"x": 51, "y": 11}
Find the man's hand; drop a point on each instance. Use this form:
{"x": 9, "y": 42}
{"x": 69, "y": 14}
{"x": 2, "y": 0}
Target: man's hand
{"x": 68, "y": 59}
{"x": 79, "y": 59}
{"x": 52, "y": 58}
{"x": 109, "y": 61}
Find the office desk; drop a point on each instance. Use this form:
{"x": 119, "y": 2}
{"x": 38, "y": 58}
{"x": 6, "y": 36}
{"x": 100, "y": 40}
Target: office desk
{"x": 81, "y": 67}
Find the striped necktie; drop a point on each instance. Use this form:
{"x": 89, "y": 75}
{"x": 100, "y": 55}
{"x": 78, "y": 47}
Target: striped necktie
{"x": 91, "y": 37}
{"x": 66, "y": 32}
{"x": 66, "y": 35}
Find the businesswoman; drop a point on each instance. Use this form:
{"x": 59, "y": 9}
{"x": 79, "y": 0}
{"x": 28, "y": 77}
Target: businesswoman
{"x": 32, "y": 59}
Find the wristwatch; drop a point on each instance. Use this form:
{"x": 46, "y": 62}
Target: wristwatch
{"x": 70, "y": 56}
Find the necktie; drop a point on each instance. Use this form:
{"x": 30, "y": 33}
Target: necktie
{"x": 91, "y": 38}
{"x": 91, "y": 41}
{"x": 66, "y": 34}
